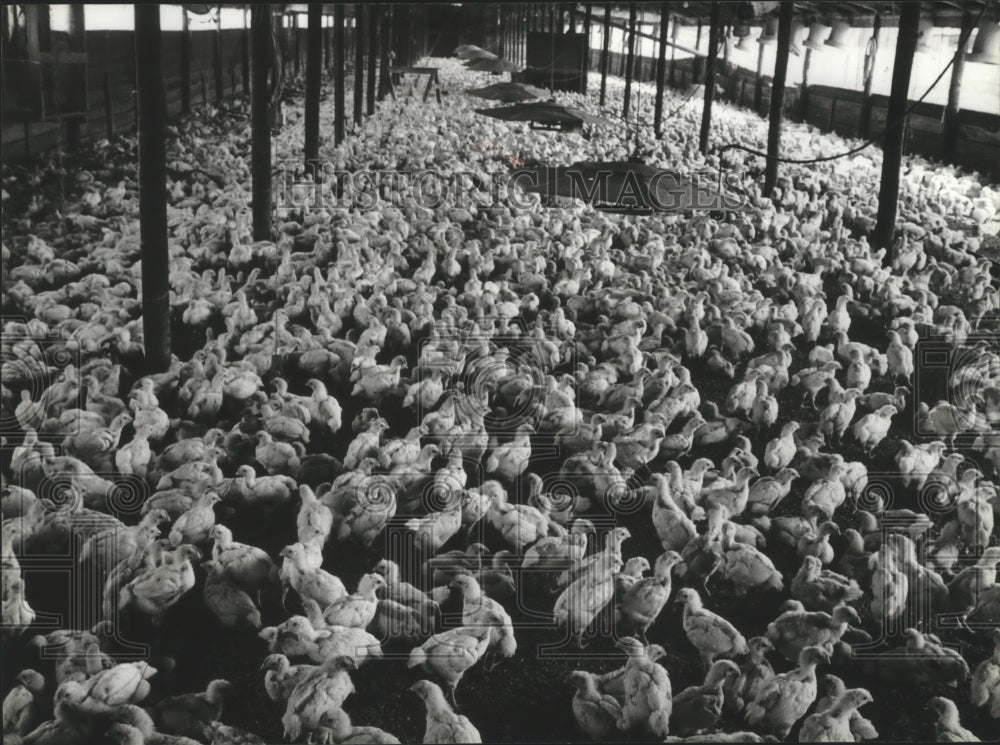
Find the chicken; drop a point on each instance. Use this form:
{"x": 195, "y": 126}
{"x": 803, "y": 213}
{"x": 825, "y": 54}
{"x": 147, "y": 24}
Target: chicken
{"x": 157, "y": 590}
{"x": 281, "y": 677}
{"x": 316, "y": 692}
{"x": 189, "y": 714}
{"x": 783, "y": 699}
{"x": 597, "y": 714}
{"x": 307, "y": 580}
{"x": 643, "y": 601}
{"x": 647, "y": 694}
{"x": 948, "y": 728}
{"x": 986, "y": 681}
{"x": 712, "y": 635}
{"x": 833, "y": 723}
{"x": 449, "y": 654}
{"x": 357, "y": 610}
{"x": 697, "y": 709}
{"x": 23, "y": 704}
{"x": 746, "y": 566}
{"x": 195, "y": 525}
{"x": 444, "y": 726}
{"x": 754, "y": 672}
{"x": 872, "y": 428}
{"x": 227, "y": 602}
{"x": 584, "y": 599}
{"x": 795, "y": 630}
{"x": 821, "y": 589}
{"x": 125, "y": 683}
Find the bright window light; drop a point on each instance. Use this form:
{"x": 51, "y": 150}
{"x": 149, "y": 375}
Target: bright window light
{"x": 109, "y": 17}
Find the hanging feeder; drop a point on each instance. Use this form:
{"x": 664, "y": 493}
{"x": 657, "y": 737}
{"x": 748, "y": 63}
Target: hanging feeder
{"x": 508, "y": 92}
{"x": 494, "y": 65}
{"x": 471, "y": 51}
{"x": 547, "y": 115}
{"x": 626, "y": 187}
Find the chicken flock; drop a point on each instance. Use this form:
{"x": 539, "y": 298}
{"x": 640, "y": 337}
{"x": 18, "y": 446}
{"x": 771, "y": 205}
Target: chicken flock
{"x": 449, "y": 451}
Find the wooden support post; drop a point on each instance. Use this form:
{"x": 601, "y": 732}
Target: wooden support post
{"x": 696, "y": 63}
{"x": 661, "y": 70}
{"x": 246, "y": 54}
{"x": 866, "y": 101}
{"x": 605, "y": 56}
{"x": 327, "y": 51}
{"x": 804, "y": 94}
{"x": 629, "y": 60}
{"x": 359, "y": 61}
{"x": 587, "y": 19}
{"x": 109, "y": 111}
{"x": 833, "y": 112}
{"x": 673, "y": 52}
{"x": 949, "y": 135}
{"x": 384, "y": 48}
{"x": 374, "y": 13}
{"x": 314, "y": 78}
{"x": 220, "y": 79}
{"x": 298, "y": 42}
{"x": 892, "y": 148}
{"x": 185, "y": 64}
{"x": 204, "y": 87}
{"x": 758, "y": 81}
{"x": 713, "y": 51}
{"x": 339, "y": 72}
{"x": 260, "y": 122}
{"x": 153, "y": 188}
{"x": 778, "y": 97}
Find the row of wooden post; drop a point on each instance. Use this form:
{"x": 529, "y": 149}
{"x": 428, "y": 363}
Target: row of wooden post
{"x": 384, "y": 35}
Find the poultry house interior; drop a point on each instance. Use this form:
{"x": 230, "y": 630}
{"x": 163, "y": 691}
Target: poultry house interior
{"x": 445, "y": 373}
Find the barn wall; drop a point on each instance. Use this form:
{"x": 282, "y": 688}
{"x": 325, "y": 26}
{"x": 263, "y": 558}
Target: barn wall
{"x": 839, "y": 110}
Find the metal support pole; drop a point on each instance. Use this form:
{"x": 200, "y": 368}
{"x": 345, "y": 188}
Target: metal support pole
{"x": 314, "y": 77}
{"x": 384, "y": 48}
{"x": 374, "y": 14}
{"x": 866, "y": 102}
{"x": 758, "y": 83}
{"x": 220, "y": 80}
{"x": 661, "y": 70}
{"x": 713, "y": 51}
{"x": 185, "y": 63}
{"x": 246, "y": 55}
{"x": 260, "y": 122}
{"x": 949, "y": 135}
{"x": 892, "y": 148}
{"x": 339, "y": 72}
{"x": 804, "y": 95}
{"x": 629, "y": 60}
{"x": 153, "y": 188}
{"x": 673, "y": 51}
{"x": 605, "y": 56}
{"x": 696, "y": 62}
{"x": 359, "y": 61}
{"x": 778, "y": 97}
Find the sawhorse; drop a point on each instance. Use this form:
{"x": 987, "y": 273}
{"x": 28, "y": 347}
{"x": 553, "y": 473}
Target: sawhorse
{"x": 430, "y": 72}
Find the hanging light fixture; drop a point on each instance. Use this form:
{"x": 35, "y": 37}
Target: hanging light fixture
{"x": 743, "y": 34}
{"x": 986, "y": 47}
{"x": 770, "y": 33}
{"x": 924, "y": 32}
{"x": 817, "y": 36}
{"x": 798, "y": 28}
{"x": 838, "y": 37}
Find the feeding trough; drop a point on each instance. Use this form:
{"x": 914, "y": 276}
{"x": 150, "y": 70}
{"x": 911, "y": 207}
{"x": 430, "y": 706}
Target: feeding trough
{"x": 546, "y": 115}
{"x": 627, "y": 187}
{"x": 494, "y": 65}
{"x": 471, "y": 51}
{"x": 507, "y": 92}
